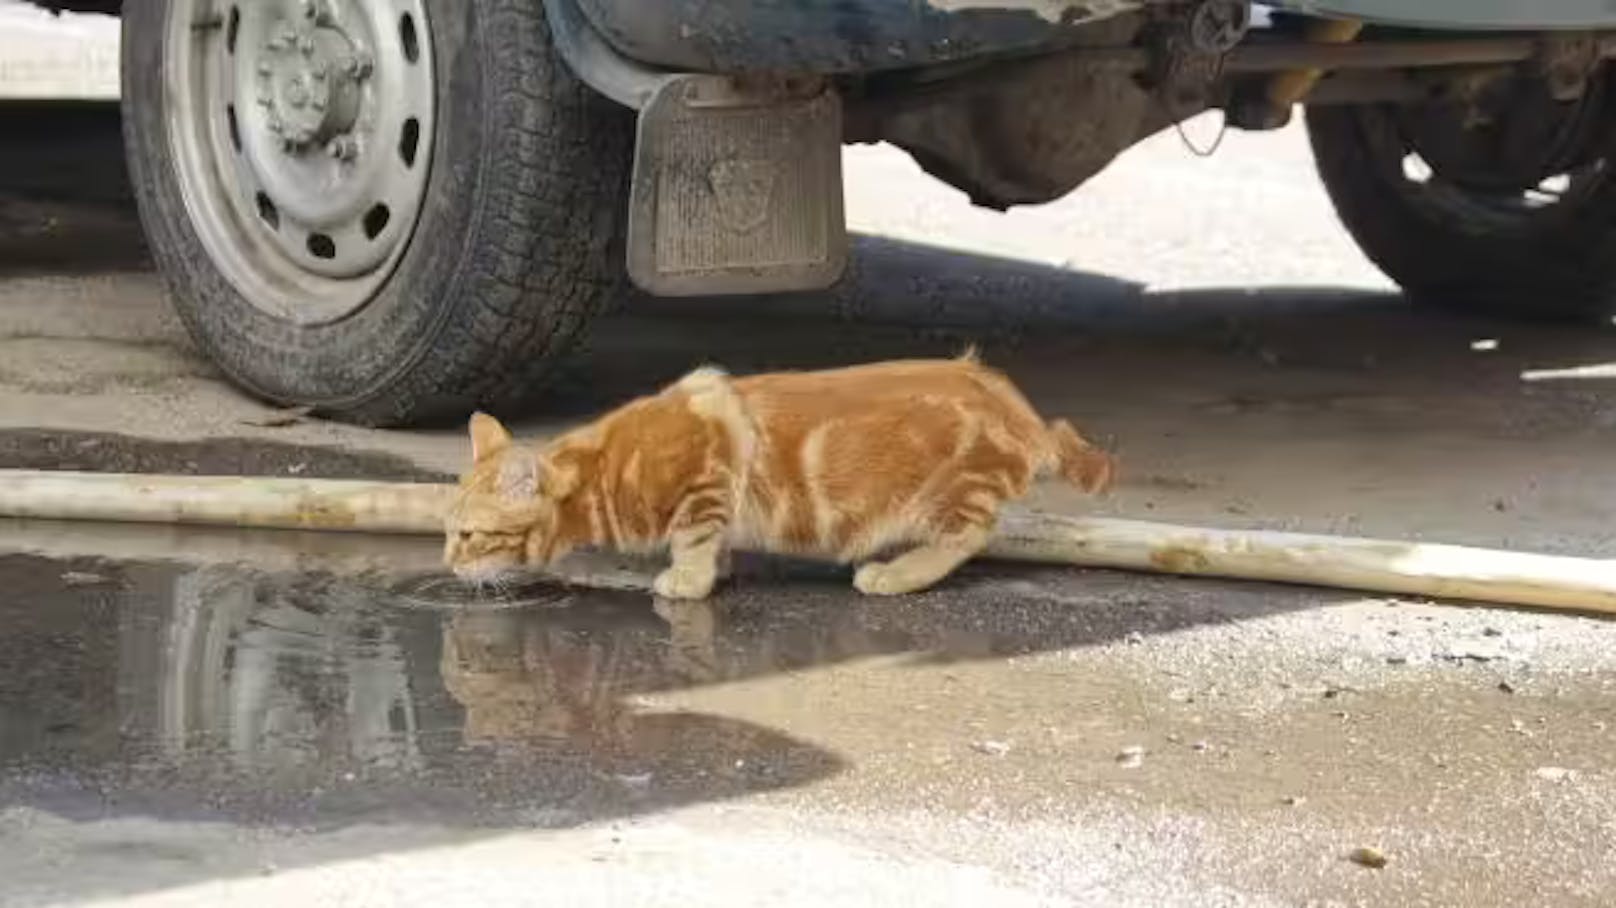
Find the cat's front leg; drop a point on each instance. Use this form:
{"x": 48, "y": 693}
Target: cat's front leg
{"x": 698, "y": 534}
{"x": 695, "y": 568}
{"x": 699, "y": 548}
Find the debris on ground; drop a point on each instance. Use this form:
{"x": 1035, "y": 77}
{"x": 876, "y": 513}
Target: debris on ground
{"x": 279, "y": 419}
{"x": 1131, "y": 756}
{"x": 1555, "y": 773}
{"x": 1368, "y": 857}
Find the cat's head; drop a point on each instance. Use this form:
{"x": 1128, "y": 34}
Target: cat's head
{"x": 505, "y": 512}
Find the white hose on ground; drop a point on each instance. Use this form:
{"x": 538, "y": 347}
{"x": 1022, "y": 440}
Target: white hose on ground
{"x": 1371, "y": 565}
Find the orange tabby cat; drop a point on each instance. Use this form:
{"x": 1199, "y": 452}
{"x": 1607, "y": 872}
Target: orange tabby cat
{"x": 910, "y": 456}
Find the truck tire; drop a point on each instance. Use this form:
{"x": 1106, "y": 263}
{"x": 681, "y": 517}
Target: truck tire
{"x": 392, "y": 211}
{"x": 1479, "y": 229}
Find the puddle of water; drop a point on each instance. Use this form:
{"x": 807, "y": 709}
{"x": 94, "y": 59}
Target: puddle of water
{"x": 325, "y": 681}
{"x": 289, "y": 692}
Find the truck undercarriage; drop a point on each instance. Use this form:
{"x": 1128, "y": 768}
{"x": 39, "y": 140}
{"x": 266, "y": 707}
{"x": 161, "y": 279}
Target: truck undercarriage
{"x": 312, "y": 139}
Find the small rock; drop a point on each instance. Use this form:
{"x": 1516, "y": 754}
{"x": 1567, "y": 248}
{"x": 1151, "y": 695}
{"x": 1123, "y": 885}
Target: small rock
{"x": 1181, "y": 695}
{"x": 1474, "y": 654}
{"x": 82, "y": 578}
{"x": 1506, "y": 687}
{"x": 1491, "y": 632}
{"x": 1134, "y": 638}
{"x": 1368, "y": 857}
{"x": 1293, "y": 800}
{"x": 1199, "y": 745}
{"x": 1131, "y": 756}
{"x": 1398, "y": 659}
{"x": 991, "y": 748}
{"x": 1555, "y": 773}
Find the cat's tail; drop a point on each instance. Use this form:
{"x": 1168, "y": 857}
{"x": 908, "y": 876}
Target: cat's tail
{"x": 1079, "y": 462}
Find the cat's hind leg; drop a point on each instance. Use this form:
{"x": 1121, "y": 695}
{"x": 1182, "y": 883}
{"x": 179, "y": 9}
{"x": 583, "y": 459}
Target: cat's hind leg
{"x": 960, "y": 528}
{"x": 920, "y": 567}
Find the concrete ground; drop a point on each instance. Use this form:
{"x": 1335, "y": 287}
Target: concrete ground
{"x": 191, "y": 718}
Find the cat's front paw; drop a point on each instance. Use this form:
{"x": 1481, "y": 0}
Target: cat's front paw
{"x": 882, "y": 579}
{"x": 684, "y": 582}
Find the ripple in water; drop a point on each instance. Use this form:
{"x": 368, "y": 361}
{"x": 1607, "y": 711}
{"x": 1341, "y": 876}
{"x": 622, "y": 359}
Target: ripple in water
{"x": 446, "y": 591}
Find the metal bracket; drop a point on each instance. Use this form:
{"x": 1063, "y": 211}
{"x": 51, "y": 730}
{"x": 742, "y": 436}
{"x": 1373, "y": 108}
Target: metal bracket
{"x": 597, "y": 63}
{"x": 1191, "y": 44}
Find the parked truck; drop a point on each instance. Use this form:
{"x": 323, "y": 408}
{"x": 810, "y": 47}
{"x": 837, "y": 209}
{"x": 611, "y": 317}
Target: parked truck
{"x": 395, "y": 211}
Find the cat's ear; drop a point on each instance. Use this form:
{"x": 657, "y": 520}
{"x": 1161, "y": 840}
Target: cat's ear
{"x": 488, "y": 437}
{"x": 518, "y": 478}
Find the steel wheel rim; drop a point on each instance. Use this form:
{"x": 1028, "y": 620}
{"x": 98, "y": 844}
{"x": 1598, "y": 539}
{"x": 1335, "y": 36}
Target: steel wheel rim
{"x": 301, "y": 132}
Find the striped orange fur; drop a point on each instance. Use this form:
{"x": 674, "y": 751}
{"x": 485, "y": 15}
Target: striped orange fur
{"x": 911, "y": 457}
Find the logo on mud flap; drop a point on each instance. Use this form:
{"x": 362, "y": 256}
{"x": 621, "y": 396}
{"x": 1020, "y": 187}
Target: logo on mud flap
{"x": 742, "y": 190}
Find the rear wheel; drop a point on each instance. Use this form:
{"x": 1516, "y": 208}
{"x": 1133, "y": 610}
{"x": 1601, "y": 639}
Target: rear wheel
{"x": 391, "y": 210}
{"x": 1506, "y": 206}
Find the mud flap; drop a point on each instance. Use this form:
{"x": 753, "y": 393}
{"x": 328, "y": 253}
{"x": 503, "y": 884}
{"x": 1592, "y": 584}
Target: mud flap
{"x": 736, "y": 191}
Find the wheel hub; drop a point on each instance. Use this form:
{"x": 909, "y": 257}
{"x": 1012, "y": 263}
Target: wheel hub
{"x": 310, "y": 77}
{"x": 303, "y": 136}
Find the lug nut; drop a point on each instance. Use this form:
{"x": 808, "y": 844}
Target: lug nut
{"x": 342, "y": 148}
{"x": 360, "y": 65}
{"x": 317, "y": 11}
